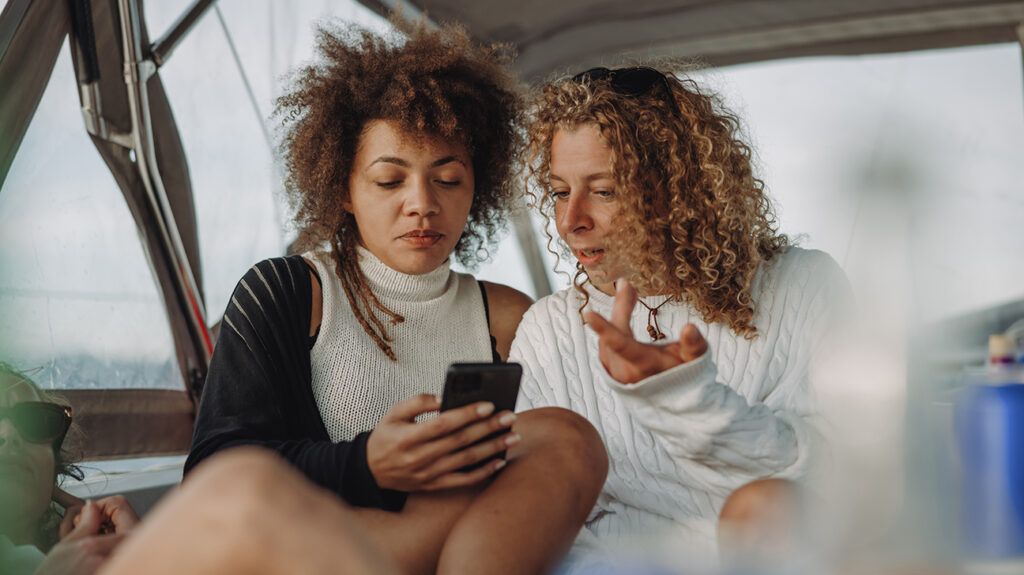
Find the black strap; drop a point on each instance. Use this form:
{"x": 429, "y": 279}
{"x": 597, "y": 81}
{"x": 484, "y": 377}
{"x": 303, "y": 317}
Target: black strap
{"x": 495, "y": 356}
{"x": 312, "y": 269}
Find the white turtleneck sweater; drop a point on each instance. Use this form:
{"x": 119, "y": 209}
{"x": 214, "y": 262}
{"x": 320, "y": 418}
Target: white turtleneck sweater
{"x": 681, "y": 441}
{"x": 354, "y": 383}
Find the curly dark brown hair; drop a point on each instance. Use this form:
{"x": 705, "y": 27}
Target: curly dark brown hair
{"x": 431, "y": 83}
{"x": 695, "y": 221}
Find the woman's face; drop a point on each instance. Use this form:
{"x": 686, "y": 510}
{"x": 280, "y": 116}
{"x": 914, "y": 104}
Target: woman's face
{"x": 585, "y": 198}
{"x": 27, "y": 470}
{"x": 410, "y": 196}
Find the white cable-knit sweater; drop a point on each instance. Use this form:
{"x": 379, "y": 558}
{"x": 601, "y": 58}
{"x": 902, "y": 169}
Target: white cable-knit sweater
{"x": 354, "y": 382}
{"x": 681, "y": 441}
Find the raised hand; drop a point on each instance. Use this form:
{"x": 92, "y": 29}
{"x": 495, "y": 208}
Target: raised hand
{"x": 83, "y": 549}
{"x": 410, "y": 456}
{"x": 628, "y": 360}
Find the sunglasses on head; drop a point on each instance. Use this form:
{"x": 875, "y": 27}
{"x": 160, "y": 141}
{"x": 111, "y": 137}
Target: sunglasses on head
{"x": 38, "y": 421}
{"x": 629, "y": 81}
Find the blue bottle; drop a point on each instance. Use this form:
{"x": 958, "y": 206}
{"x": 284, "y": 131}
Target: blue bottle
{"x": 989, "y": 422}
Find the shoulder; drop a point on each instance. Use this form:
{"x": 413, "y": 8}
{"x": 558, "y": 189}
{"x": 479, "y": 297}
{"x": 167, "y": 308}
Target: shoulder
{"x": 804, "y": 270}
{"x": 554, "y": 311}
{"x": 803, "y": 285}
{"x": 280, "y": 274}
{"x": 509, "y": 299}
{"x": 280, "y": 284}
{"x": 507, "y": 306}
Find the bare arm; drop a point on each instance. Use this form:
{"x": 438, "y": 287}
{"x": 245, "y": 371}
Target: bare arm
{"x": 507, "y": 306}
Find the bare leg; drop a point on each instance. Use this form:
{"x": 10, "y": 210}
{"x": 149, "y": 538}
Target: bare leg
{"x": 521, "y": 522}
{"x": 525, "y": 521}
{"x": 760, "y": 522}
{"x": 247, "y": 511}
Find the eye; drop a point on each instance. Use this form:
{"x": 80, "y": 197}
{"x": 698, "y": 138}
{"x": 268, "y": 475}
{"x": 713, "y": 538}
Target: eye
{"x": 560, "y": 195}
{"x": 389, "y": 185}
{"x": 605, "y": 194}
{"x": 448, "y": 183}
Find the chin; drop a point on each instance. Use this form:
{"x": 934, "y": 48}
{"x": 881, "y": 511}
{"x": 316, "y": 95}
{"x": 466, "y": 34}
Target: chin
{"x": 419, "y": 264}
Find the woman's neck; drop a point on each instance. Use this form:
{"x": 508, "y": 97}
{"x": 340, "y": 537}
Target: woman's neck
{"x": 608, "y": 289}
{"x": 389, "y": 283}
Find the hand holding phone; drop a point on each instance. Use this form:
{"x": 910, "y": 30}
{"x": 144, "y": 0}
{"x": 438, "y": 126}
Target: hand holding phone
{"x": 497, "y": 383}
{"x": 411, "y": 456}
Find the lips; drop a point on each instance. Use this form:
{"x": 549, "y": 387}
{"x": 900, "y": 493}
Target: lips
{"x": 422, "y": 238}
{"x": 589, "y": 256}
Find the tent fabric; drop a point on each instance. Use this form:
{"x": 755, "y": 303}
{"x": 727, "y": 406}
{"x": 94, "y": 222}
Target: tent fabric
{"x": 34, "y": 38}
{"x": 553, "y": 37}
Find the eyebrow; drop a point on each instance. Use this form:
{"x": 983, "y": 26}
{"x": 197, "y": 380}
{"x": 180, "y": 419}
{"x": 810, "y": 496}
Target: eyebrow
{"x": 405, "y": 164}
{"x": 590, "y": 178}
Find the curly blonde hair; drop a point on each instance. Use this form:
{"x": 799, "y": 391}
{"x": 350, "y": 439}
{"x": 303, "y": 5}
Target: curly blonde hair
{"x": 428, "y": 82}
{"x": 694, "y": 220}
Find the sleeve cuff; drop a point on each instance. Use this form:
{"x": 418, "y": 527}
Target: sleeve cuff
{"x": 360, "y": 487}
{"x": 678, "y": 379}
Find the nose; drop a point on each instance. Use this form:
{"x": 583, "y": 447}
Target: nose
{"x": 420, "y": 199}
{"x": 9, "y": 436}
{"x": 575, "y": 215}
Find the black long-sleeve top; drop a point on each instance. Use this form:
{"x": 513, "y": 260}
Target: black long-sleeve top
{"x": 259, "y": 388}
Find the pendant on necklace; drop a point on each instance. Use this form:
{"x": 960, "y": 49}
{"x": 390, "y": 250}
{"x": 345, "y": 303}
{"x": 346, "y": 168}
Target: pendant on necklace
{"x": 653, "y": 329}
{"x": 656, "y": 335}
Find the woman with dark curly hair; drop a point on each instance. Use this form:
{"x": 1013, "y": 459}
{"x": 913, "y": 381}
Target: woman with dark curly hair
{"x": 652, "y": 191}
{"x": 33, "y": 459}
{"x": 399, "y": 153}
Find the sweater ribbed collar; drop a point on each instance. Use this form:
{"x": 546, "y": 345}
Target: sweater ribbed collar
{"x": 391, "y": 284}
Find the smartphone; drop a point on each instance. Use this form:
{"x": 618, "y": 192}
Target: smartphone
{"x": 467, "y": 383}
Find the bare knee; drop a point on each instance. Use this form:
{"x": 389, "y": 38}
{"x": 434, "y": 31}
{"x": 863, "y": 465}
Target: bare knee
{"x": 244, "y": 485}
{"x": 764, "y": 498}
{"x": 760, "y": 519}
{"x": 571, "y": 441}
{"x": 241, "y": 475}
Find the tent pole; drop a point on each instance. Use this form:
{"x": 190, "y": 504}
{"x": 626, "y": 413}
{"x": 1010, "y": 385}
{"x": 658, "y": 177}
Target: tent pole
{"x": 170, "y": 253}
{"x": 163, "y": 47}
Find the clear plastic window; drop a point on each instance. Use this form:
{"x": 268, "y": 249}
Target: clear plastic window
{"x": 79, "y": 306}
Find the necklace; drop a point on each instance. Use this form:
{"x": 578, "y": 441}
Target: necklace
{"x": 653, "y": 329}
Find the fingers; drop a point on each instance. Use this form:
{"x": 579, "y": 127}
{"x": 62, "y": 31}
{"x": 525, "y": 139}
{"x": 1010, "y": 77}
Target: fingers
{"x": 408, "y": 410}
{"x": 450, "y": 421}
{"x": 609, "y": 334}
{"x": 464, "y": 479}
{"x": 617, "y": 342}
{"x": 119, "y": 512}
{"x": 86, "y": 523}
{"x": 622, "y": 309}
{"x": 468, "y": 435}
{"x": 692, "y": 344}
{"x": 472, "y": 455}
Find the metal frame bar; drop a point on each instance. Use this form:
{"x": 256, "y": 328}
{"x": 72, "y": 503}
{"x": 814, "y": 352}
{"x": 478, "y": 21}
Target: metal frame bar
{"x": 161, "y": 49}
{"x": 171, "y": 254}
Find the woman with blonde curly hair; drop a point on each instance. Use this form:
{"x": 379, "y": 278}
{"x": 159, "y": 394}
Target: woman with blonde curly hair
{"x": 399, "y": 152}
{"x": 652, "y": 192}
